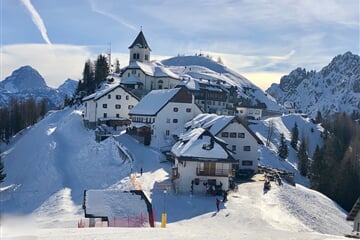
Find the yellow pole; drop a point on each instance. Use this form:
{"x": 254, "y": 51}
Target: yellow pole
{"x": 163, "y": 220}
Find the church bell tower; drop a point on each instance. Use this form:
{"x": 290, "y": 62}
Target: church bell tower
{"x": 139, "y": 49}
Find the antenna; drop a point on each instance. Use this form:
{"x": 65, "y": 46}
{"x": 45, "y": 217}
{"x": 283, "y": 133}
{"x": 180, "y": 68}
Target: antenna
{"x": 109, "y": 58}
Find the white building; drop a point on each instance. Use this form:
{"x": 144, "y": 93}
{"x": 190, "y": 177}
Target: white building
{"x": 243, "y": 142}
{"x": 143, "y": 74}
{"x": 111, "y": 104}
{"x": 161, "y": 114}
{"x": 249, "y": 112}
{"x": 203, "y": 164}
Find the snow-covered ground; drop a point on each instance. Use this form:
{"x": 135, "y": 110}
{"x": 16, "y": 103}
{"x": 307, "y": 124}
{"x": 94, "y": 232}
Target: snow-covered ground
{"x": 53, "y": 162}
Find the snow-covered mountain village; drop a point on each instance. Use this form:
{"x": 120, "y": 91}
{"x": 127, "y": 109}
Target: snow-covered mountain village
{"x": 183, "y": 148}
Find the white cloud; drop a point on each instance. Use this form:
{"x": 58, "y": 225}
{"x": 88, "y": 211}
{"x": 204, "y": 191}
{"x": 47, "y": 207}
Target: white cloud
{"x": 96, "y": 8}
{"x": 54, "y": 62}
{"x": 36, "y": 18}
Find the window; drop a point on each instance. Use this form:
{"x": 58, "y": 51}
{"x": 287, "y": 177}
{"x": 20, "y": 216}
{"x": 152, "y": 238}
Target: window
{"x": 104, "y": 105}
{"x": 118, "y": 115}
{"x": 127, "y": 97}
{"x": 133, "y": 71}
{"x": 109, "y": 96}
{"x": 134, "y": 56}
{"x": 241, "y": 135}
{"x": 247, "y": 148}
{"x": 175, "y": 120}
{"x": 117, "y": 106}
{"x": 188, "y": 109}
{"x": 233, "y": 148}
{"x": 168, "y": 120}
{"x": 146, "y": 57}
{"x": 176, "y": 109}
{"x": 167, "y": 132}
{"x": 118, "y": 97}
{"x": 233, "y": 135}
{"x": 130, "y": 106}
{"x": 247, "y": 163}
{"x": 225, "y": 134}
{"x": 105, "y": 115}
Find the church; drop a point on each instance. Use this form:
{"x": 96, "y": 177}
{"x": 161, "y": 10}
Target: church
{"x": 143, "y": 75}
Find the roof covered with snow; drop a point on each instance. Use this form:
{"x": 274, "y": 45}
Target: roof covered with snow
{"x": 202, "y": 145}
{"x": 131, "y": 80}
{"x": 154, "y": 69}
{"x": 154, "y": 101}
{"x": 113, "y": 203}
{"x": 215, "y": 123}
{"x": 107, "y": 89}
{"x": 140, "y": 41}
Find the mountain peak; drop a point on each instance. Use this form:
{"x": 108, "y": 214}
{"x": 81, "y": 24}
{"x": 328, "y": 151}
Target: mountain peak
{"x": 335, "y": 88}
{"x": 23, "y": 78}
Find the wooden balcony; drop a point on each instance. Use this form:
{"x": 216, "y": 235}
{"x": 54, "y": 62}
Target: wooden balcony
{"x": 215, "y": 172}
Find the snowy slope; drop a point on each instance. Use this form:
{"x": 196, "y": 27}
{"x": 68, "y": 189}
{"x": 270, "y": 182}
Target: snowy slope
{"x": 201, "y": 67}
{"x": 51, "y": 163}
{"x": 55, "y": 154}
{"x": 283, "y": 124}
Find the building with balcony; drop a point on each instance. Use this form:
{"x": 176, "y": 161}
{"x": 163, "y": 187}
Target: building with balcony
{"x": 203, "y": 164}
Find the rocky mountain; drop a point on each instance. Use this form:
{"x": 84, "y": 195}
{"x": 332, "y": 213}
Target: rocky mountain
{"x": 26, "y": 81}
{"x": 68, "y": 87}
{"x": 335, "y": 88}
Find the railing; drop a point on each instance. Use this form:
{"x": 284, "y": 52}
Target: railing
{"x": 217, "y": 172}
{"x": 141, "y": 220}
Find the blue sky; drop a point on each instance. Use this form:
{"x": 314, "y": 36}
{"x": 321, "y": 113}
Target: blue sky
{"x": 262, "y": 40}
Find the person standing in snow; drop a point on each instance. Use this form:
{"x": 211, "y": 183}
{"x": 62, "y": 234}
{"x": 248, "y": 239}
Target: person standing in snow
{"x": 225, "y": 196}
{"x": 218, "y": 204}
{"x": 141, "y": 171}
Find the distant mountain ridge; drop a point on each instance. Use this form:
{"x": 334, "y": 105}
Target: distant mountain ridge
{"x": 23, "y": 79}
{"x": 335, "y": 88}
{"x": 27, "y": 81}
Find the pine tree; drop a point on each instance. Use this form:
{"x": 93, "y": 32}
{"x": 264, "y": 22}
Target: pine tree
{"x": 101, "y": 69}
{"x": 318, "y": 118}
{"x": 88, "y": 83}
{"x": 316, "y": 168}
{"x": 303, "y": 159}
{"x": 283, "y": 151}
{"x": 294, "y": 136}
{"x": 2, "y": 174}
{"x": 43, "y": 107}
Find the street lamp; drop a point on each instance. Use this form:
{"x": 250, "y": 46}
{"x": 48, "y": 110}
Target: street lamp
{"x": 164, "y": 216}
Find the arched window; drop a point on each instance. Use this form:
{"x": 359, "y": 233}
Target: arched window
{"x": 160, "y": 84}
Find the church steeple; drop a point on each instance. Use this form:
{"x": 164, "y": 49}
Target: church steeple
{"x": 139, "y": 49}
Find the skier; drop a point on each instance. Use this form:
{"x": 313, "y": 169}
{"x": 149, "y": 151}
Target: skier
{"x": 218, "y": 204}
